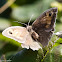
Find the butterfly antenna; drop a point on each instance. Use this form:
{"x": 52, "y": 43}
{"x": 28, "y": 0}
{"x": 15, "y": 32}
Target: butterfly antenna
{"x": 21, "y": 23}
{"x": 30, "y": 20}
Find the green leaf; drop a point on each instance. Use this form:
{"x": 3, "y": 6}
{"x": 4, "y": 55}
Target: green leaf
{"x": 58, "y": 27}
{"x": 24, "y": 13}
{"x": 59, "y": 41}
{"x": 54, "y": 55}
{"x": 9, "y": 48}
{"x": 25, "y": 56}
{"x": 4, "y": 23}
{"x": 5, "y": 39}
{"x": 28, "y": 55}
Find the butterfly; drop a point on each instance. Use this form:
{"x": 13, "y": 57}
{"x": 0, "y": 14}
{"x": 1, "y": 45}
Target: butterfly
{"x": 39, "y": 32}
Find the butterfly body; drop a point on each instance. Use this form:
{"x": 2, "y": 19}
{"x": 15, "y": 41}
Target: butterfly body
{"x": 33, "y": 34}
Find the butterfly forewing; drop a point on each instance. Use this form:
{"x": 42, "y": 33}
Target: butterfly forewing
{"x": 44, "y": 25}
{"x": 17, "y": 33}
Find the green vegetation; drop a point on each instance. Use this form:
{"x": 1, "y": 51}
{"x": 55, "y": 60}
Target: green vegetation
{"x": 21, "y": 11}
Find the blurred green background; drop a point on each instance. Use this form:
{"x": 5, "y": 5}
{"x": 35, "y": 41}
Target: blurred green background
{"x": 22, "y": 10}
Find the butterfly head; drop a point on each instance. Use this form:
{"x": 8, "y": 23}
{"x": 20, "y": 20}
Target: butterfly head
{"x": 29, "y": 28}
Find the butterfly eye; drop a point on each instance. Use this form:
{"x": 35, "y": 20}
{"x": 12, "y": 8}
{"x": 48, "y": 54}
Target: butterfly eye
{"x": 50, "y": 14}
{"x": 29, "y": 30}
{"x": 10, "y": 32}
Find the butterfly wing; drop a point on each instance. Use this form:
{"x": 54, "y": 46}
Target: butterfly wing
{"x": 44, "y": 25}
{"x": 17, "y": 33}
{"x": 21, "y": 35}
